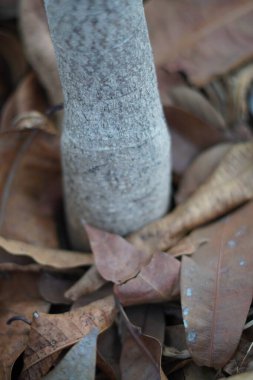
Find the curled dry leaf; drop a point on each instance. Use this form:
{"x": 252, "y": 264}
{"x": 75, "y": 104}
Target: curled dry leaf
{"x": 19, "y": 297}
{"x": 142, "y": 339}
{"x": 56, "y": 258}
{"x": 38, "y": 46}
{"x": 158, "y": 281}
{"x": 230, "y": 185}
{"x": 214, "y": 37}
{"x": 115, "y": 258}
{"x": 201, "y": 168}
{"x": 30, "y": 187}
{"x": 88, "y": 283}
{"x": 80, "y": 362}
{"x": 51, "y": 333}
{"x": 217, "y": 288}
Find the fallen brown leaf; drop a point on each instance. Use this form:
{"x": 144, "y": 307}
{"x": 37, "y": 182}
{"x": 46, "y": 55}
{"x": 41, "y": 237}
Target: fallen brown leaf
{"x": 143, "y": 335}
{"x": 230, "y": 185}
{"x": 157, "y": 281}
{"x": 203, "y": 44}
{"x": 108, "y": 353}
{"x": 55, "y": 258}
{"x": 51, "y": 333}
{"x": 26, "y": 107}
{"x": 19, "y": 297}
{"x": 217, "y": 288}
{"x": 115, "y": 258}
{"x": 30, "y": 187}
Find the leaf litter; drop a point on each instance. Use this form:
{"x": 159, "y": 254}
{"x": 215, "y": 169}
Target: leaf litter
{"x": 174, "y": 297}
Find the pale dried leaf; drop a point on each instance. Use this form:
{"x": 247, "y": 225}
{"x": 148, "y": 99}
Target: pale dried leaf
{"x": 55, "y": 258}
{"x": 88, "y": 283}
{"x": 230, "y": 185}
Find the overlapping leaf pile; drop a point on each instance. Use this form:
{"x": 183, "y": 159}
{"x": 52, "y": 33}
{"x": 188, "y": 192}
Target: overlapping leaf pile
{"x": 173, "y": 300}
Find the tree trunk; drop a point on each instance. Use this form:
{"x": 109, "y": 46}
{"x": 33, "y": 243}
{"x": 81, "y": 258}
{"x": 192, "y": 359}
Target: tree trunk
{"x": 115, "y": 143}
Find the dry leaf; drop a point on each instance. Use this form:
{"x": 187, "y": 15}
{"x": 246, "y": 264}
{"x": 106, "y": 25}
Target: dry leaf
{"x": 88, "y": 283}
{"x": 201, "y": 168}
{"x": 142, "y": 341}
{"x": 80, "y": 362}
{"x": 115, "y": 258}
{"x": 53, "y": 285}
{"x": 30, "y": 187}
{"x": 38, "y": 46}
{"x": 19, "y": 297}
{"x": 217, "y": 288}
{"x": 204, "y": 38}
{"x": 59, "y": 258}
{"x": 108, "y": 353}
{"x": 158, "y": 281}
{"x": 230, "y": 185}
{"x": 193, "y": 102}
{"x": 25, "y": 108}
{"x": 51, "y": 333}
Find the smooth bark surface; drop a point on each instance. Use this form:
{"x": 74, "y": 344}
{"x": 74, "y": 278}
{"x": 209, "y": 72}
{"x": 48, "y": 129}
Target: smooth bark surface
{"x": 115, "y": 143}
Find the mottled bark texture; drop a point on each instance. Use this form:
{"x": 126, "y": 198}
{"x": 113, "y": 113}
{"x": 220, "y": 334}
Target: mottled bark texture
{"x": 115, "y": 143}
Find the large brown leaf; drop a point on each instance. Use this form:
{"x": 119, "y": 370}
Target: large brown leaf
{"x": 230, "y": 185}
{"x": 19, "y": 297}
{"x": 51, "y": 333}
{"x": 217, "y": 288}
{"x": 30, "y": 187}
{"x": 142, "y": 336}
{"x": 158, "y": 281}
{"x": 203, "y": 38}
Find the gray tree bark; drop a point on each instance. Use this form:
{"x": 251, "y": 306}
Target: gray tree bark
{"x": 115, "y": 143}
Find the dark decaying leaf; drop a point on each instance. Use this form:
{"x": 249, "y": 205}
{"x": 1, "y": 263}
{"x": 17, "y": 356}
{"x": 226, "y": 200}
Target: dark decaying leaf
{"x": 158, "y": 281}
{"x": 53, "y": 285}
{"x": 51, "y": 333}
{"x": 19, "y": 297}
{"x": 230, "y": 185}
{"x": 80, "y": 362}
{"x": 203, "y": 38}
{"x": 142, "y": 339}
{"x": 108, "y": 353}
{"x": 217, "y": 288}
{"x": 30, "y": 187}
